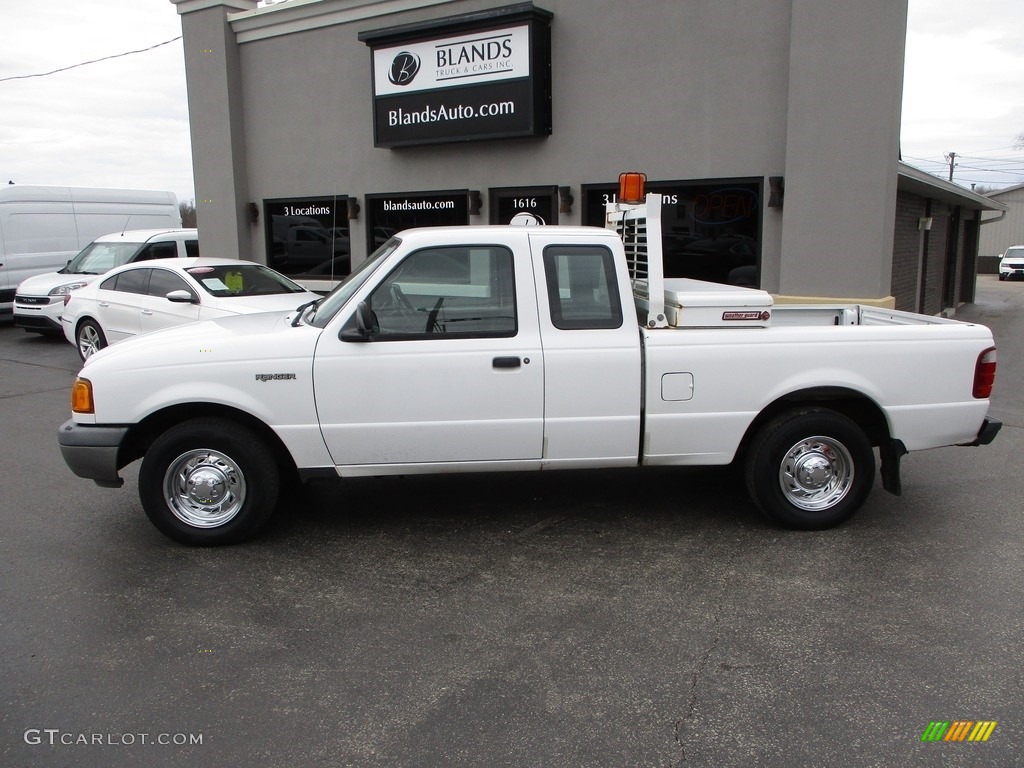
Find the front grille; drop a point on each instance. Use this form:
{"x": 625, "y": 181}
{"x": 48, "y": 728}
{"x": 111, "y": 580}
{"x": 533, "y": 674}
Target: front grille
{"x": 33, "y": 301}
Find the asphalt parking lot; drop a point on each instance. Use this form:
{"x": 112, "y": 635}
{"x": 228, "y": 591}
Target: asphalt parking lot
{"x": 639, "y": 618}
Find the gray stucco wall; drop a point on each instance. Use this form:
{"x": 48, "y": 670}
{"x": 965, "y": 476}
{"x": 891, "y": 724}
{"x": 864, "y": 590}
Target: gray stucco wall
{"x": 845, "y": 91}
{"x": 705, "y": 89}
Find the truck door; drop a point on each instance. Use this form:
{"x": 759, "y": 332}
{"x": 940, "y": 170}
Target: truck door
{"x": 453, "y": 371}
{"x": 592, "y": 360}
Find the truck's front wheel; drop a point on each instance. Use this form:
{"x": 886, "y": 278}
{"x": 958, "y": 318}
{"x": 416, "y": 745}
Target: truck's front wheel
{"x": 208, "y": 481}
{"x": 810, "y": 468}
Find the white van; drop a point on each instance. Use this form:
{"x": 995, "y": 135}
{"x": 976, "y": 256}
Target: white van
{"x": 42, "y": 228}
{"x": 39, "y": 300}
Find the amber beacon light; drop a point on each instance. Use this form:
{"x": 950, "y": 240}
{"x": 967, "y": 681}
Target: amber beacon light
{"x": 632, "y": 187}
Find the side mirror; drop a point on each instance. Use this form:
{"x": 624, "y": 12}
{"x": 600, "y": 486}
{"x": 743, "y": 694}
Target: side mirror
{"x": 360, "y": 326}
{"x": 181, "y": 297}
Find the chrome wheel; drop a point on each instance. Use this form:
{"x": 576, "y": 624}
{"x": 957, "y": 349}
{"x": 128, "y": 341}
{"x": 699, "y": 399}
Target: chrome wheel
{"x": 810, "y": 468}
{"x": 204, "y": 488}
{"x": 816, "y": 473}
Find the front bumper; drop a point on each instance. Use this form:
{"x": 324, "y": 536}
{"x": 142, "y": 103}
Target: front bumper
{"x": 91, "y": 451}
{"x": 39, "y": 313}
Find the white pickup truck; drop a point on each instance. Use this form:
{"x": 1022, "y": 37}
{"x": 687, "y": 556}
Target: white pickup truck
{"x": 479, "y": 349}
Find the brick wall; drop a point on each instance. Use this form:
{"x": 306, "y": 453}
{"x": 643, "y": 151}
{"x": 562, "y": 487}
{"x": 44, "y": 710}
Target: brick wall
{"x": 906, "y": 244}
{"x": 935, "y": 259}
{"x": 907, "y": 279}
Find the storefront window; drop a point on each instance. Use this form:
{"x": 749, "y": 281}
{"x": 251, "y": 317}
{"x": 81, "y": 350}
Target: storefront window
{"x": 389, "y": 214}
{"x": 541, "y": 202}
{"x": 308, "y": 236}
{"x": 711, "y": 230}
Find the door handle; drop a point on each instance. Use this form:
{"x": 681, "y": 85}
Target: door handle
{"x": 147, "y": 312}
{"x": 506, "y": 362}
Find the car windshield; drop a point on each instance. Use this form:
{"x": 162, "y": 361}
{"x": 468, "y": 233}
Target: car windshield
{"x": 1014, "y": 253}
{"x": 97, "y": 258}
{"x": 337, "y": 298}
{"x": 227, "y": 280}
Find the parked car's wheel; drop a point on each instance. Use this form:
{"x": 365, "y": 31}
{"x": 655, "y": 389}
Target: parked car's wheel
{"x": 810, "y": 468}
{"x": 209, "y": 481}
{"x": 90, "y": 339}
{"x": 1002, "y": 276}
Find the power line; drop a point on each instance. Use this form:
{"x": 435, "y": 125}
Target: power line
{"x": 1010, "y": 172}
{"x": 94, "y": 61}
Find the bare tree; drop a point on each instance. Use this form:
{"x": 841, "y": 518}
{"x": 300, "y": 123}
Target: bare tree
{"x": 187, "y": 209}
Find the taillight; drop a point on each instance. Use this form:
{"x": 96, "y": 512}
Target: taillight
{"x": 985, "y": 373}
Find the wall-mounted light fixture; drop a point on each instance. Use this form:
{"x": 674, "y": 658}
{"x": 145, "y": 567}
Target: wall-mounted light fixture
{"x": 352, "y": 208}
{"x": 776, "y": 191}
{"x": 565, "y": 200}
{"x": 475, "y": 202}
{"x": 252, "y": 212}
{"x": 924, "y": 223}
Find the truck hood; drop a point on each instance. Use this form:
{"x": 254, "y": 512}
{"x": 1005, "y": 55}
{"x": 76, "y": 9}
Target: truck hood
{"x": 236, "y": 337}
{"x": 270, "y": 303}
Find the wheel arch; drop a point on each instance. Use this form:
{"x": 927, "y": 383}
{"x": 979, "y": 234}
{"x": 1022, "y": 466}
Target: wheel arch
{"x": 855, "y": 405}
{"x": 140, "y": 436}
{"x": 84, "y": 319}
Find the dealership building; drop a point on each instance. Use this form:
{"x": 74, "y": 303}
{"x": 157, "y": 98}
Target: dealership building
{"x": 322, "y": 127}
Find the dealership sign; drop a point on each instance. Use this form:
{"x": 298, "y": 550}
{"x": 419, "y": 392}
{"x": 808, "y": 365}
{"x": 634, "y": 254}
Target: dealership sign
{"x": 478, "y": 76}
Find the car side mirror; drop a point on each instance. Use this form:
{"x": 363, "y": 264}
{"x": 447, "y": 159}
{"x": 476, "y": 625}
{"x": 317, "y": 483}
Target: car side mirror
{"x": 181, "y": 297}
{"x": 360, "y": 325}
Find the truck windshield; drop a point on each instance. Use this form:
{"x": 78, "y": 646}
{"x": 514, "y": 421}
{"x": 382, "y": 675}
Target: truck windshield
{"x": 97, "y": 258}
{"x": 337, "y": 298}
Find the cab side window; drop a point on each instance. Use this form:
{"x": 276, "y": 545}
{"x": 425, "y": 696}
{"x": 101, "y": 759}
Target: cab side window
{"x": 463, "y": 291}
{"x": 582, "y": 291}
{"x": 191, "y": 247}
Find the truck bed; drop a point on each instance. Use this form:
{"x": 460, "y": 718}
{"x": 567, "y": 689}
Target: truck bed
{"x": 849, "y": 314}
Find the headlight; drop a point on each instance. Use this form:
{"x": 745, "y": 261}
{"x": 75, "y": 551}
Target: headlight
{"x": 60, "y": 290}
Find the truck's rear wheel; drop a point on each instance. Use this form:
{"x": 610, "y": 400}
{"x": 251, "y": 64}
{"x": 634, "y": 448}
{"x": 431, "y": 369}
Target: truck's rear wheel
{"x": 810, "y": 468}
{"x": 209, "y": 481}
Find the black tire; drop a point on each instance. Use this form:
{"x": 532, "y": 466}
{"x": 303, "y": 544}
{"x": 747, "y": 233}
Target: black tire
{"x": 1002, "y": 276}
{"x": 209, "y": 481}
{"x": 89, "y": 339}
{"x": 810, "y": 469}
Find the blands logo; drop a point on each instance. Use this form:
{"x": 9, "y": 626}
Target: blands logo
{"x": 959, "y": 730}
{"x": 471, "y": 59}
{"x": 404, "y": 68}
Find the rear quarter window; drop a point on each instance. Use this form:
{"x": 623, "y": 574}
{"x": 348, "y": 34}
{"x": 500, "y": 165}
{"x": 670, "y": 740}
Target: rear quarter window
{"x": 132, "y": 281}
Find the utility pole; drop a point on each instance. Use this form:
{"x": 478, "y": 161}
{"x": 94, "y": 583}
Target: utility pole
{"x": 951, "y": 158}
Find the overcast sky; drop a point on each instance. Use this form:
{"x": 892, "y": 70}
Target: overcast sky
{"x": 124, "y": 122}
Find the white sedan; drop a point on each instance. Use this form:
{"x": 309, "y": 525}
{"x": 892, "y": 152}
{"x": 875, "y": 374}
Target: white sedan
{"x": 149, "y": 295}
